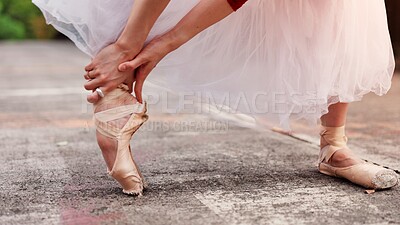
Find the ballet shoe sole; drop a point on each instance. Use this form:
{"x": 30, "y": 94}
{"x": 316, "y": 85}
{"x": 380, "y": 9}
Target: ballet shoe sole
{"x": 133, "y": 193}
{"x": 385, "y": 180}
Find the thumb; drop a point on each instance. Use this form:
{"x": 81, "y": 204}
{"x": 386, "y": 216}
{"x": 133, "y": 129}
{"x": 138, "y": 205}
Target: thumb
{"x": 141, "y": 76}
{"x": 130, "y": 65}
{"x": 138, "y": 89}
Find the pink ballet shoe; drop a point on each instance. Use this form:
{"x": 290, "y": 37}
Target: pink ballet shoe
{"x": 364, "y": 174}
{"x": 124, "y": 170}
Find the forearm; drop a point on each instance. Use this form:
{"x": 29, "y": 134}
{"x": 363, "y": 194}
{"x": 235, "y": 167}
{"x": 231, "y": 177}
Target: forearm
{"x": 202, "y": 16}
{"x": 143, "y": 15}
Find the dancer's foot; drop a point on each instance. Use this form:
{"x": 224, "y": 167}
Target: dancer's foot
{"x": 336, "y": 159}
{"x": 108, "y": 145}
{"x": 118, "y": 115}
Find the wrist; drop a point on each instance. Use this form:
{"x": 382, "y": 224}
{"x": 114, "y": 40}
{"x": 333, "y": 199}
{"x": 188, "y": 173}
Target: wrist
{"x": 129, "y": 47}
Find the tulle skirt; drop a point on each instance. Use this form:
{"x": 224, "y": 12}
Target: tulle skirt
{"x": 274, "y": 60}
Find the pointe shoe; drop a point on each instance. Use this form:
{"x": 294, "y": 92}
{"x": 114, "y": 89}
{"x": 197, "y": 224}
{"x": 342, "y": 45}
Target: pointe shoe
{"x": 364, "y": 174}
{"x": 124, "y": 170}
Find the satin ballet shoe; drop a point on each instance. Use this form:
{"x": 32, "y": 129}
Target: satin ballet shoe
{"x": 364, "y": 174}
{"x": 124, "y": 169}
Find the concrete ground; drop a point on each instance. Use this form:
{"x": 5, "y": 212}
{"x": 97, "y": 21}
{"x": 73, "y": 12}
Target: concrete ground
{"x": 199, "y": 170}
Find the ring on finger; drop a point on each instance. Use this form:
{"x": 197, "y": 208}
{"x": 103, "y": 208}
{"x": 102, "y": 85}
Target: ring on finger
{"x": 100, "y": 92}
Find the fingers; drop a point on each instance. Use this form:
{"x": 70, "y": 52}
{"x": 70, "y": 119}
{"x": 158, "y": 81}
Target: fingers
{"x": 141, "y": 76}
{"x": 89, "y": 67}
{"x": 129, "y": 81}
{"x": 93, "y": 97}
{"x": 130, "y": 86}
{"x": 131, "y": 65}
{"x": 93, "y": 84}
{"x": 138, "y": 89}
{"x": 96, "y": 79}
{"x": 90, "y": 75}
{"x": 96, "y": 95}
{"x": 106, "y": 87}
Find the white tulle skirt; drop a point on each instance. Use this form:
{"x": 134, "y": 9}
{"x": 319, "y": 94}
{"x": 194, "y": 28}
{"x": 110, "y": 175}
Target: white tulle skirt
{"x": 275, "y": 60}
